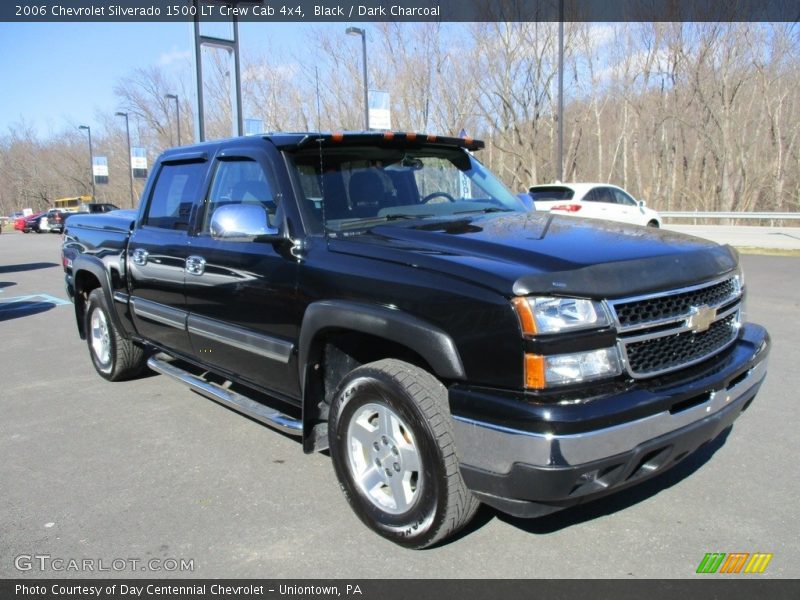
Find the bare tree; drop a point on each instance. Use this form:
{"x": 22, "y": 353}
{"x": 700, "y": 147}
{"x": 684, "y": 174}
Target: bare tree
{"x": 690, "y": 116}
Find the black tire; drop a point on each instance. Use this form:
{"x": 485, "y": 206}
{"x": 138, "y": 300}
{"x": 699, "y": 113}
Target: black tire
{"x": 434, "y": 502}
{"x": 653, "y": 223}
{"x": 114, "y": 357}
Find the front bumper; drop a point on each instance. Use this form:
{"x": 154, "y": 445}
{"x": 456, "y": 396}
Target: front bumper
{"x": 534, "y": 470}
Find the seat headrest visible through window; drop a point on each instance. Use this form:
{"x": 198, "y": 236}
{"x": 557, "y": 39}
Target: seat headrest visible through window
{"x": 366, "y": 192}
{"x": 251, "y": 191}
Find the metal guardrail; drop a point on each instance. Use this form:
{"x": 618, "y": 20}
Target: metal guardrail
{"x": 696, "y": 214}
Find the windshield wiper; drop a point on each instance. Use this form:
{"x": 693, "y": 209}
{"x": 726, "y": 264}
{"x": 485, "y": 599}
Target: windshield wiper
{"x": 399, "y": 216}
{"x": 491, "y": 209}
{"x": 372, "y": 221}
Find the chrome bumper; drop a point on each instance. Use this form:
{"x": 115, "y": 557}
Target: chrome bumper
{"x": 495, "y": 449}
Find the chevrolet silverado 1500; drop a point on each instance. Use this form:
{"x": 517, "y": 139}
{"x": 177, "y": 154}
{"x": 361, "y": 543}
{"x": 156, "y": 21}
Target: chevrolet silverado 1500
{"x": 383, "y": 296}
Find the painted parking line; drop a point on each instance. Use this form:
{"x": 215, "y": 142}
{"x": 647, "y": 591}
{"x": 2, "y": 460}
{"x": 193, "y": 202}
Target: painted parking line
{"x": 35, "y": 298}
{"x": 20, "y": 306}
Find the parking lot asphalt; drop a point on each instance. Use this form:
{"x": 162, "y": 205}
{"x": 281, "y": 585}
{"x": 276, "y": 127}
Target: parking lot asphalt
{"x": 143, "y": 470}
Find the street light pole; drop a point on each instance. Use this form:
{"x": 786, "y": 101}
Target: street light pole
{"x": 560, "y": 166}
{"x": 363, "y": 34}
{"x": 128, "y": 134}
{"x": 177, "y": 113}
{"x": 91, "y": 157}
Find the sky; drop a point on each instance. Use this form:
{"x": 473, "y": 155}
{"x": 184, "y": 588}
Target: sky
{"x": 54, "y": 76}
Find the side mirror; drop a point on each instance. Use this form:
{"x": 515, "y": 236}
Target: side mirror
{"x": 642, "y": 203}
{"x": 242, "y": 223}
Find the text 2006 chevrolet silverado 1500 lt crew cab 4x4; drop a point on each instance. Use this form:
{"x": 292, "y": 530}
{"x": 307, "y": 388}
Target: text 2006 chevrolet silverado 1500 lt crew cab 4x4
{"x": 385, "y": 297}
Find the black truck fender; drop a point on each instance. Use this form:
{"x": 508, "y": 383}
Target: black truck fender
{"x": 435, "y": 346}
{"x": 96, "y": 267}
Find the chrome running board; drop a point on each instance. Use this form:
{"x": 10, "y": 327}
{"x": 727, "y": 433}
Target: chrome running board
{"x": 238, "y": 402}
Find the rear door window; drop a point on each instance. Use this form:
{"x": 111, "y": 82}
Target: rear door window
{"x": 173, "y": 195}
{"x": 601, "y": 194}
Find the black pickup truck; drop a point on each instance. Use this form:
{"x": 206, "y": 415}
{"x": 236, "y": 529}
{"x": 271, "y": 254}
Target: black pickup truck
{"x": 383, "y": 296}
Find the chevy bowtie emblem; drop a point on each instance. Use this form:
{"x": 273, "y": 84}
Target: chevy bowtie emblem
{"x": 701, "y": 318}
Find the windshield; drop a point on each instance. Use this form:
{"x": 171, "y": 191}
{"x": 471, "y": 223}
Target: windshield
{"x": 352, "y": 187}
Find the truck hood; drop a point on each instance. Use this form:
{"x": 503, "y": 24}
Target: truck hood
{"x": 540, "y": 253}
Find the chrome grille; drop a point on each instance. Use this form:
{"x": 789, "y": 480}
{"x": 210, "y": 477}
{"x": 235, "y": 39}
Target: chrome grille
{"x": 657, "y": 333}
{"x": 658, "y": 355}
{"x": 676, "y": 305}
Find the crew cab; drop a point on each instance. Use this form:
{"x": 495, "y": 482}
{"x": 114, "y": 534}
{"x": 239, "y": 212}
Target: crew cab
{"x": 383, "y": 296}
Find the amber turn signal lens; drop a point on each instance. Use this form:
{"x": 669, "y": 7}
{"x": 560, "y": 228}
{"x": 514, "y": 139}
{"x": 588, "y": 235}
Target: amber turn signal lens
{"x": 525, "y": 315}
{"x": 534, "y": 372}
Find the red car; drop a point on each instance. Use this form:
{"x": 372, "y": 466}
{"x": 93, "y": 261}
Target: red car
{"x": 30, "y": 223}
{"x": 19, "y": 223}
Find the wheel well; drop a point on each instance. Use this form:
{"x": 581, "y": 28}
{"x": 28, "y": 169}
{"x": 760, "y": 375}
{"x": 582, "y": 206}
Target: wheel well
{"x": 85, "y": 282}
{"x": 334, "y": 354}
{"x": 653, "y": 223}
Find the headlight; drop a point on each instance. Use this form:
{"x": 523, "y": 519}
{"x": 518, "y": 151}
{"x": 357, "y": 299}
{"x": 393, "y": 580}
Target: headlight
{"x": 738, "y": 281}
{"x": 552, "y": 315}
{"x": 577, "y": 367}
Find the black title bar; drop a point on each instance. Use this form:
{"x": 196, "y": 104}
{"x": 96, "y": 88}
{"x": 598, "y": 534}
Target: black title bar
{"x": 273, "y": 11}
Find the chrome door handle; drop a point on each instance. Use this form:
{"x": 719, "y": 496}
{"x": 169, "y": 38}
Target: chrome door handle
{"x": 195, "y": 265}
{"x": 139, "y": 257}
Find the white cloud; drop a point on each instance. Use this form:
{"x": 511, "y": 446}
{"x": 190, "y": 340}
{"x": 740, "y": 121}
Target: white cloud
{"x": 173, "y": 56}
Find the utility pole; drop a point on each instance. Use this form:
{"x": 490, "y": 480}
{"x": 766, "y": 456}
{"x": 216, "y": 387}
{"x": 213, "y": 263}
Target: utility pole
{"x": 130, "y": 168}
{"x": 91, "y": 157}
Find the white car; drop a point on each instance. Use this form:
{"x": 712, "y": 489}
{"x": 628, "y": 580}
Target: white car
{"x": 593, "y": 201}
